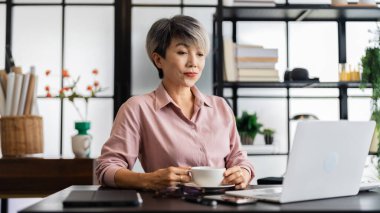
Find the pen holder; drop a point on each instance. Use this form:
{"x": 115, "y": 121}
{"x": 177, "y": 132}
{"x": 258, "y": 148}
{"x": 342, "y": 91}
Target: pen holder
{"x": 21, "y": 135}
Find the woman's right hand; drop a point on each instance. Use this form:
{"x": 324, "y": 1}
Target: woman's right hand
{"x": 167, "y": 177}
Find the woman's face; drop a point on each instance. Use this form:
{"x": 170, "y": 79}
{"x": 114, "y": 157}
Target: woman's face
{"x": 183, "y": 64}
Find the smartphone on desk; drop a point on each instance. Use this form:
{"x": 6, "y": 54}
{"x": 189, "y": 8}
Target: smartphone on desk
{"x": 230, "y": 199}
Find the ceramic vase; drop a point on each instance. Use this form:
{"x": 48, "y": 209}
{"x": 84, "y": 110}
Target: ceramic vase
{"x": 81, "y": 142}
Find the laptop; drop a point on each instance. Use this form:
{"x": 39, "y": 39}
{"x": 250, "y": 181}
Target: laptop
{"x": 326, "y": 160}
{"x": 102, "y": 198}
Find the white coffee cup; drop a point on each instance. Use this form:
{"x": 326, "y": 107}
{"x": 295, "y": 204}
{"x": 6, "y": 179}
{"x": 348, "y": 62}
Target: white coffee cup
{"x": 205, "y": 176}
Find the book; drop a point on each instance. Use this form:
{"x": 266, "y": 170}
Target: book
{"x": 3, "y": 79}
{"x": 2, "y": 101}
{"x": 258, "y": 72}
{"x": 251, "y": 64}
{"x": 9, "y": 95}
{"x": 256, "y": 59}
{"x": 30, "y": 94}
{"x": 24, "y": 91}
{"x": 229, "y": 60}
{"x": 16, "y": 93}
{"x": 35, "y": 110}
{"x": 259, "y": 78}
{"x": 246, "y": 51}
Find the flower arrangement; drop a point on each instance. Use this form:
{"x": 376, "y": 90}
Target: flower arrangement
{"x": 69, "y": 90}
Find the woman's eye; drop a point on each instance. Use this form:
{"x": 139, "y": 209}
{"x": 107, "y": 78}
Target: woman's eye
{"x": 200, "y": 54}
{"x": 181, "y": 52}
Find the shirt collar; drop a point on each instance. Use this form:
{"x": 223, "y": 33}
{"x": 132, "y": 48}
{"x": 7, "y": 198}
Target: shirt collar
{"x": 163, "y": 98}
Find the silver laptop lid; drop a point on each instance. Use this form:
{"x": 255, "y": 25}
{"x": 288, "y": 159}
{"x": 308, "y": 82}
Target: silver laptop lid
{"x": 327, "y": 159}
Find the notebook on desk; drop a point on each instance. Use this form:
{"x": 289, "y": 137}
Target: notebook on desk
{"x": 327, "y": 160}
{"x": 102, "y": 198}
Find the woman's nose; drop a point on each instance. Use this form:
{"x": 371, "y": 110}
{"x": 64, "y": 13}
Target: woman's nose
{"x": 192, "y": 61}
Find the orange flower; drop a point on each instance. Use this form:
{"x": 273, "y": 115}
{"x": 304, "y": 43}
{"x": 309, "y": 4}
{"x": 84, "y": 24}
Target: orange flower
{"x": 89, "y": 88}
{"x": 96, "y": 83}
{"x": 48, "y": 95}
{"x": 47, "y": 72}
{"x": 61, "y": 91}
{"x": 66, "y": 88}
{"x": 47, "y": 88}
{"x": 65, "y": 73}
{"x": 95, "y": 71}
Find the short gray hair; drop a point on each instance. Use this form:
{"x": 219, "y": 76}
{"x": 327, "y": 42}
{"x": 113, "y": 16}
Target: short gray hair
{"x": 181, "y": 27}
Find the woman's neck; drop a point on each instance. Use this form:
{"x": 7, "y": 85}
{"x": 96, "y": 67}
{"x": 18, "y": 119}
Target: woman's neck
{"x": 182, "y": 96}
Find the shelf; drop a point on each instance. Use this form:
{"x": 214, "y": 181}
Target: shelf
{"x": 292, "y": 85}
{"x": 302, "y": 12}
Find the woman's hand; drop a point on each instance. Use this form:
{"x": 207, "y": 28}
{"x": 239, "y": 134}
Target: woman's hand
{"x": 168, "y": 177}
{"x": 238, "y": 176}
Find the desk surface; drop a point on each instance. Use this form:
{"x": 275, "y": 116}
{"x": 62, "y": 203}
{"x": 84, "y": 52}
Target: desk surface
{"x": 365, "y": 201}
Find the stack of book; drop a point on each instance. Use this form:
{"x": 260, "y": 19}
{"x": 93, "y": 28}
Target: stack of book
{"x": 255, "y": 3}
{"x": 18, "y": 93}
{"x": 255, "y": 63}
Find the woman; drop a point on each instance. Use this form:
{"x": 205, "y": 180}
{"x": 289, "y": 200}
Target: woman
{"x": 174, "y": 127}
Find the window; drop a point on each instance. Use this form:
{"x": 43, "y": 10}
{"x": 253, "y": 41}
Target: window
{"x": 73, "y": 35}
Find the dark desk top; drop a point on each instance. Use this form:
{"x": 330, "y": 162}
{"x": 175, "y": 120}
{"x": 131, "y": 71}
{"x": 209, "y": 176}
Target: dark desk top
{"x": 365, "y": 201}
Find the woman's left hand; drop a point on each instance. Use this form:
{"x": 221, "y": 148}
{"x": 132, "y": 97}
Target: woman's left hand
{"x": 238, "y": 176}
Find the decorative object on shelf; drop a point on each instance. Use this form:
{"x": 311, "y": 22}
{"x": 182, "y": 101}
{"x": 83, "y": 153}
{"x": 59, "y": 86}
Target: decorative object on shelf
{"x": 298, "y": 74}
{"x": 305, "y": 117}
{"x": 248, "y": 126}
{"x": 81, "y": 142}
{"x": 268, "y": 135}
{"x": 371, "y": 74}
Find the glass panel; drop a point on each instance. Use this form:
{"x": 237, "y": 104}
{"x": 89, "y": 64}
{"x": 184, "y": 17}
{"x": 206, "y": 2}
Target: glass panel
{"x": 37, "y": 37}
{"x": 162, "y": 2}
{"x": 263, "y": 92}
{"x": 315, "y": 107}
{"x": 314, "y": 46}
{"x": 89, "y": 1}
{"x": 2, "y": 36}
{"x": 359, "y": 109}
{"x": 267, "y": 34}
{"x": 205, "y": 16}
{"x": 271, "y": 112}
{"x": 37, "y": 1}
{"x": 89, "y": 44}
{"x": 144, "y": 74}
{"x": 50, "y": 112}
{"x": 358, "y": 39}
{"x": 200, "y": 2}
{"x": 314, "y": 92}
{"x": 309, "y": 2}
{"x": 268, "y": 166}
{"x": 100, "y": 115}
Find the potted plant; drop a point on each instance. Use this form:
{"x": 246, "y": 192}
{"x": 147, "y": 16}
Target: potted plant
{"x": 248, "y": 127}
{"x": 371, "y": 74}
{"x": 268, "y": 135}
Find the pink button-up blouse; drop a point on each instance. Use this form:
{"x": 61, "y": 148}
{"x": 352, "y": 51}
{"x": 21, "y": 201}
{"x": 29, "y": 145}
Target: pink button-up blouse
{"x": 152, "y": 128}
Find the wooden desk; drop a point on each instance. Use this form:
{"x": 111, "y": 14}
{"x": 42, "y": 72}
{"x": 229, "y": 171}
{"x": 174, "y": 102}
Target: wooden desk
{"x": 365, "y": 201}
{"x": 39, "y": 177}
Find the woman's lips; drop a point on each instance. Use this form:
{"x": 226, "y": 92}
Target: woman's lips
{"x": 191, "y": 74}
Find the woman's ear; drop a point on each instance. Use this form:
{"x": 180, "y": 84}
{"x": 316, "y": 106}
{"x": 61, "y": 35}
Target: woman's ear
{"x": 157, "y": 60}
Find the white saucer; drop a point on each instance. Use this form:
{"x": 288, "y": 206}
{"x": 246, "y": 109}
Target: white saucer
{"x": 192, "y": 184}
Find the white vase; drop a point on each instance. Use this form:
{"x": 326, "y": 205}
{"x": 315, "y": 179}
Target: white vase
{"x": 81, "y": 145}
{"x": 81, "y": 142}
